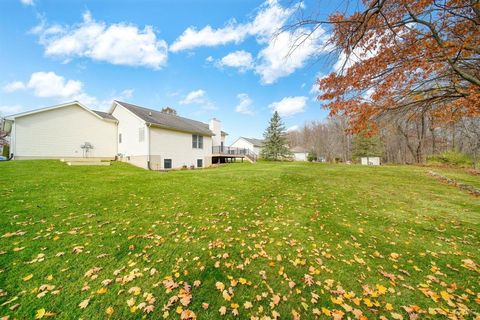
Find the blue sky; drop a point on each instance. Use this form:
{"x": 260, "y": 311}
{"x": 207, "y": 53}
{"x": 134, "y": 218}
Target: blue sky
{"x": 206, "y": 59}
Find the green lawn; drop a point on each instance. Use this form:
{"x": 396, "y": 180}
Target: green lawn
{"x": 284, "y": 240}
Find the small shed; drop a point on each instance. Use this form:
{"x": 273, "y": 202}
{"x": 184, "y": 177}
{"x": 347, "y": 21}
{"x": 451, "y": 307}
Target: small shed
{"x": 299, "y": 154}
{"x": 370, "y": 161}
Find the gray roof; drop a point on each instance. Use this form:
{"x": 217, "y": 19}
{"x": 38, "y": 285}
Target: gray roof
{"x": 105, "y": 115}
{"x": 255, "y": 142}
{"x": 168, "y": 121}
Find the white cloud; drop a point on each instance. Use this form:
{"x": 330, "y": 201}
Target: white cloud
{"x": 208, "y": 37}
{"x": 269, "y": 19}
{"x": 288, "y": 52}
{"x": 198, "y": 97}
{"x": 241, "y": 59}
{"x": 209, "y": 59}
{"x": 293, "y": 128}
{"x": 125, "y": 94}
{"x": 27, "y": 2}
{"x": 9, "y": 110}
{"x": 285, "y": 51}
{"x": 14, "y": 86}
{"x": 51, "y": 85}
{"x": 362, "y": 53}
{"x": 289, "y": 106}
{"x": 245, "y": 104}
{"x": 120, "y": 43}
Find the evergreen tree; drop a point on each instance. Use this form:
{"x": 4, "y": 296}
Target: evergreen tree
{"x": 367, "y": 146}
{"x": 275, "y": 145}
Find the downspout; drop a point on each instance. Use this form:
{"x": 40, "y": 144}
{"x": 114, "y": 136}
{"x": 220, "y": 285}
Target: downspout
{"x": 148, "y": 161}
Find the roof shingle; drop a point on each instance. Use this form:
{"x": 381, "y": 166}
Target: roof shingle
{"x": 105, "y": 115}
{"x": 168, "y": 121}
{"x": 255, "y": 142}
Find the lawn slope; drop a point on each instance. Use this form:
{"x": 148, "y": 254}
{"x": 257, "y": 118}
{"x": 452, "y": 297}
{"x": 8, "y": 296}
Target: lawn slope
{"x": 281, "y": 240}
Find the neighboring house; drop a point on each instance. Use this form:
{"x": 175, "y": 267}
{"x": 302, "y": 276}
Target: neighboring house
{"x": 143, "y": 137}
{"x": 252, "y": 144}
{"x": 370, "y": 161}
{"x": 299, "y": 154}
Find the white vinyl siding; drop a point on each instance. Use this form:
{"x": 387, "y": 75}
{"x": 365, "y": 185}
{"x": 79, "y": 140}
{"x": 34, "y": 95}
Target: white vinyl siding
{"x": 60, "y": 133}
{"x": 131, "y": 150}
{"x": 177, "y": 146}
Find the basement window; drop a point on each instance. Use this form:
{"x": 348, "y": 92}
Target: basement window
{"x": 167, "y": 163}
{"x": 199, "y": 163}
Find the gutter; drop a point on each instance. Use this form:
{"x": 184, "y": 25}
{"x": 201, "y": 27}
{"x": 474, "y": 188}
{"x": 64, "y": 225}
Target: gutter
{"x": 149, "y": 136}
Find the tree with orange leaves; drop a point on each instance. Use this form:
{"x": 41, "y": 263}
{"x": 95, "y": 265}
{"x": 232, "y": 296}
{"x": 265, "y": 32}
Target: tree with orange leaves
{"x": 405, "y": 58}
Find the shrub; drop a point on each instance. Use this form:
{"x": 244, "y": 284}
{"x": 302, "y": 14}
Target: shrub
{"x": 6, "y": 151}
{"x": 451, "y": 158}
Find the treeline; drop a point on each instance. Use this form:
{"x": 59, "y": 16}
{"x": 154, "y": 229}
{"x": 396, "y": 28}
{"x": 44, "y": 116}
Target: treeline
{"x": 397, "y": 141}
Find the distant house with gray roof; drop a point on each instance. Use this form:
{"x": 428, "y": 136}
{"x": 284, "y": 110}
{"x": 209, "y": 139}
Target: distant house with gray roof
{"x": 252, "y": 144}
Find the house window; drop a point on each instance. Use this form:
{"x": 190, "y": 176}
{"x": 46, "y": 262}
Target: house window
{"x": 119, "y": 138}
{"x": 167, "y": 163}
{"x": 197, "y": 141}
{"x": 141, "y": 134}
{"x": 199, "y": 163}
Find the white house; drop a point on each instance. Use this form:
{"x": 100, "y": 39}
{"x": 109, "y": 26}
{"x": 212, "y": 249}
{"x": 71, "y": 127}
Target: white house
{"x": 155, "y": 140}
{"x": 252, "y": 144}
{"x": 370, "y": 161}
{"x": 299, "y": 154}
{"x": 143, "y": 137}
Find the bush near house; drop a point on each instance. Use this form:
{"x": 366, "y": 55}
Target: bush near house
{"x": 284, "y": 239}
{"x": 6, "y": 151}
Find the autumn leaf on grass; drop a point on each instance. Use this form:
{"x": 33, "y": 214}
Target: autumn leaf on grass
{"x": 102, "y": 290}
{"x": 188, "y": 315}
{"x": 394, "y": 256}
{"x": 109, "y": 311}
{"x": 470, "y": 264}
{"x": 90, "y": 273}
{"x": 84, "y": 303}
{"x": 276, "y": 299}
{"x": 77, "y": 249}
{"x": 149, "y": 309}
{"x": 135, "y": 290}
{"x": 308, "y": 279}
{"x": 28, "y": 277}
{"x": 40, "y": 313}
{"x": 220, "y": 286}
{"x": 222, "y": 310}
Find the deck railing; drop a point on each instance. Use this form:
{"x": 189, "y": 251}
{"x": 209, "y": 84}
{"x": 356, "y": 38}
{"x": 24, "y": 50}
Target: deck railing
{"x": 232, "y": 151}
